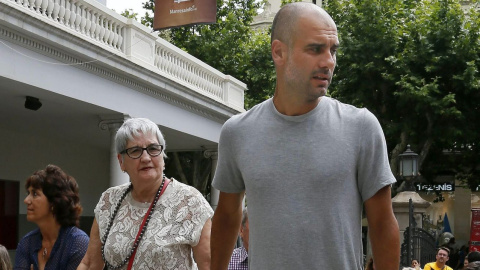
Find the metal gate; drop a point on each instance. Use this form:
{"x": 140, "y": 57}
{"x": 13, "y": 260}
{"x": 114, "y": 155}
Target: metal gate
{"x": 418, "y": 243}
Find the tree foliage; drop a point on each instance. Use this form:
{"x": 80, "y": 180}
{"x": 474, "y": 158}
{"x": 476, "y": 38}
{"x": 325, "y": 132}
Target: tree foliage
{"x": 230, "y": 45}
{"x": 190, "y": 168}
{"x": 415, "y": 65}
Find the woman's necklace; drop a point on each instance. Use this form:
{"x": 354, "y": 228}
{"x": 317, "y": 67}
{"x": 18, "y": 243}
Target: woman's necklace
{"x": 110, "y": 223}
{"x": 45, "y": 254}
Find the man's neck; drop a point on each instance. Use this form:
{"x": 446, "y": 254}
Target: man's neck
{"x": 292, "y": 106}
{"x": 440, "y": 265}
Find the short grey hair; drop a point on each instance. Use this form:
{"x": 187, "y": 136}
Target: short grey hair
{"x": 134, "y": 127}
{"x": 5, "y": 262}
{"x": 244, "y": 217}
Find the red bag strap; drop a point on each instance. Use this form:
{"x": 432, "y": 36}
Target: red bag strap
{"x": 132, "y": 258}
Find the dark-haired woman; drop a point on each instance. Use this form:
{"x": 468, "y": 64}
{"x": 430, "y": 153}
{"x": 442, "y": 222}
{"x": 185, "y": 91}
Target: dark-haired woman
{"x": 54, "y": 205}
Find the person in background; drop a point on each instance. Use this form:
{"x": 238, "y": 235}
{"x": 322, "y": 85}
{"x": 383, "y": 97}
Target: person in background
{"x": 416, "y": 264}
{"x": 473, "y": 266}
{"x": 54, "y": 205}
{"x": 453, "y": 257}
{"x": 5, "y": 262}
{"x": 473, "y": 256}
{"x": 441, "y": 260}
{"x": 152, "y": 222}
{"x": 462, "y": 257}
{"x": 464, "y": 265}
{"x": 239, "y": 259}
{"x": 308, "y": 163}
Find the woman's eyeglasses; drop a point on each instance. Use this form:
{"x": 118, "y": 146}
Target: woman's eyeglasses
{"x": 136, "y": 152}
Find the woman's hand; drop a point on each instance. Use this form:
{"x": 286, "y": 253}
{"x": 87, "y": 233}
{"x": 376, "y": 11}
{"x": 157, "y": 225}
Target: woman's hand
{"x": 201, "y": 252}
{"x": 93, "y": 258}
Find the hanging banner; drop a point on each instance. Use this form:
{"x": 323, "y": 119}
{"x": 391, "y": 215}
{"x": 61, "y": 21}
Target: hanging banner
{"x": 175, "y": 13}
{"x": 475, "y": 230}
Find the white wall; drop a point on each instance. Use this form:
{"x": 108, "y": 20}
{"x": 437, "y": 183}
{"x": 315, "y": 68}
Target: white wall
{"x": 458, "y": 207}
{"x": 22, "y": 154}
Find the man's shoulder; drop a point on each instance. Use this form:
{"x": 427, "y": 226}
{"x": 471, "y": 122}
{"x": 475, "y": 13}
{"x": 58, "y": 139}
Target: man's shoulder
{"x": 361, "y": 117}
{"x": 343, "y": 107}
{"x": 430, "y": 265}
{"x": 251, "y": 114}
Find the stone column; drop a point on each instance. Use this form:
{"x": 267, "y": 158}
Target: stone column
{"x": 400, "y": 208}
{"x": 117, "y": 177}
{"x": 462, "y": 207}
{"x": 214, "y": 193}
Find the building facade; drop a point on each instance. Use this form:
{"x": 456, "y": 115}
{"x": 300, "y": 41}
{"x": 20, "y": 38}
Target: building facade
{"x": 71, "y": 71}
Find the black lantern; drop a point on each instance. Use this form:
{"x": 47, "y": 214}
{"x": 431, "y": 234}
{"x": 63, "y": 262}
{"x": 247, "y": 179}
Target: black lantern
{"x": 408, "y": 167}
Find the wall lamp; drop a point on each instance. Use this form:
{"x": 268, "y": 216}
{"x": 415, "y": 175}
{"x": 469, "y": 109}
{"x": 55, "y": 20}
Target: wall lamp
{"x": 32, "y": 103}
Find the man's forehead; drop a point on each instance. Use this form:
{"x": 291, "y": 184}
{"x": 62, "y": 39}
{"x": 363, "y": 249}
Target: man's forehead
{"x": 327, "y": 35}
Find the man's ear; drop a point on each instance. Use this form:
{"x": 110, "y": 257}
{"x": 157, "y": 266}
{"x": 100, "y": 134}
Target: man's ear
{"x": 279, "y": 52}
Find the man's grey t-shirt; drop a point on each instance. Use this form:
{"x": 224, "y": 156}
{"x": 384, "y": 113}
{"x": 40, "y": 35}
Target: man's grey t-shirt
{"x": 306, "y": 178}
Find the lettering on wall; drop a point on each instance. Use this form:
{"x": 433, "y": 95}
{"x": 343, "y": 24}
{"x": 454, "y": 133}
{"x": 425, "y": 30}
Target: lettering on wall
{"x": 447, "y": 187}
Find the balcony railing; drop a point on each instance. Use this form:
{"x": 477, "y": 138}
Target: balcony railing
{"x": 95, "y": 23}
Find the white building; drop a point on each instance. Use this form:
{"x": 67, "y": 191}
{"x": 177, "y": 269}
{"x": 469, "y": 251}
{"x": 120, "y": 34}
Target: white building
{"x": 90, "y": 68}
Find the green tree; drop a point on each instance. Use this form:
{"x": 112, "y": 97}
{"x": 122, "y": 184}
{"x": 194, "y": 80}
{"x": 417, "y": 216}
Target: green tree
{"x": 415, "y": 65}
{"x": 129, "y": 13}
{"x": 230, "y": 45}
{"x": 190, "y": 168}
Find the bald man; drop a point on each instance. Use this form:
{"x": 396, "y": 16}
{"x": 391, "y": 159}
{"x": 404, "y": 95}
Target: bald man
{"x": 307, "y": 162}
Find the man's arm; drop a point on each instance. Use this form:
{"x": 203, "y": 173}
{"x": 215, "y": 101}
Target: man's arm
{"x": 225, "y": 227}
{"x": 383, "y": 230}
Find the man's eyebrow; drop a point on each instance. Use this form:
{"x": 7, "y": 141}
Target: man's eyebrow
{"x": 322, "y": 45}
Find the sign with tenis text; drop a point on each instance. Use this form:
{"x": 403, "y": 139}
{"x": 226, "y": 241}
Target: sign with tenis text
{"x": 447, "y": 187}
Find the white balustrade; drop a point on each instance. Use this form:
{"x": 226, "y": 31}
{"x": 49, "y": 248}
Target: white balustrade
{"x": 96, "y": 25}
{"x": 38, "y": 3}
{"x": 73, "y": 15}
{"x": 61, "y": 13}
{"x": 56, "y": 10}
{"x": 78, "y": 18}
{"x": 83, "y": 21}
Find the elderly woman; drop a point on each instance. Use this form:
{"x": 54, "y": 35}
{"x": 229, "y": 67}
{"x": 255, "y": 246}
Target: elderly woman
{"x": 5, "y": 263}
{"x": 54, "y": 205}
{"x": 152, "y": 222}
